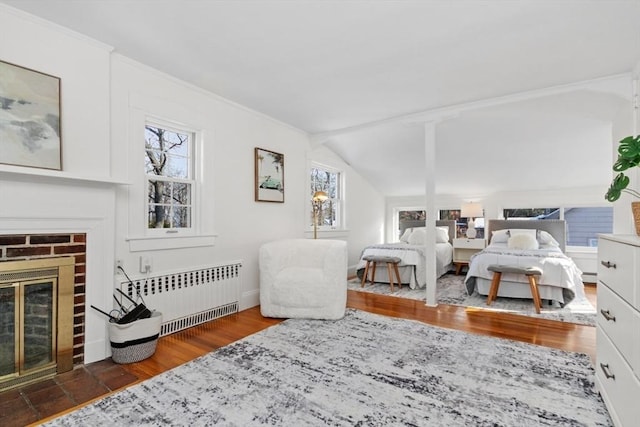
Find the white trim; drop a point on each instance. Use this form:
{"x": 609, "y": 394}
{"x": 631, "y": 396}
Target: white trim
{"x": 450, "y": 112}
{"x": 156, "y": 243}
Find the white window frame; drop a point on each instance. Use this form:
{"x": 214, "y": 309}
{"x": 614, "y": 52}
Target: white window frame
{"x": 145, "y": 110}
{"x": 340, "y": 200}
{"x": 194, "y": 136}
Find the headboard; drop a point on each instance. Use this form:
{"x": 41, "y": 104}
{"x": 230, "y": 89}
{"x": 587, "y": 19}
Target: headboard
{"x": 416, "y": 223}
{"x": 556, "y": 227}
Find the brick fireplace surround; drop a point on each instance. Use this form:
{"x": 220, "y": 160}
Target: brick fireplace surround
{"x": 15, "y": 247}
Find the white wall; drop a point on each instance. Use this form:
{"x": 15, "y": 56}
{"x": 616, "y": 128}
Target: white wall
{"x": 228, "y": 210}
{"x": 364, "y": 205}
{"x": 81, "y": 198}
{"x": 99, "y": 190}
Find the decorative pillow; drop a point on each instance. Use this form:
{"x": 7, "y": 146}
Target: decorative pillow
{"x": 500, "y": 236}
{"x": 522, "y": 241}
{"x": 442, "y": 234}
{"x": 546, "y": 239}
{"x": 418, "y": 237}
{"x": 530, "y": 231}
{"x": 405, "y": 236}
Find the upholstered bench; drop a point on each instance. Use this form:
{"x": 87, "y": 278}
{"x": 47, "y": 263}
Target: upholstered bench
{"x": 530, "y": 272}
{"x": 392, "y": 269}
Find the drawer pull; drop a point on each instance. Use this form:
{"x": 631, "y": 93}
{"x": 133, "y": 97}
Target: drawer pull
{"x": 607, "y": 315}
{"x": 608, "y": 264}
{"x": 607, "y": 371}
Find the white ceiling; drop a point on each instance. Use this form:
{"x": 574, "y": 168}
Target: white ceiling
{"x": 326, "y": 66}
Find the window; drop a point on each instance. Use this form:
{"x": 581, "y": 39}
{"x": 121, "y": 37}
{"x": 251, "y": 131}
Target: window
{"x": 532, "y": 213}
{"x": 327, "y": 180}
{"x": 410, "y": 219}
{"x": 169, "y": 178}
{"x": 583, "y": 223}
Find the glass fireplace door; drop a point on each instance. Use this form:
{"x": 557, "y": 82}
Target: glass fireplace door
{"x": 9, "y": 319}
{"x": 27, "y": 327}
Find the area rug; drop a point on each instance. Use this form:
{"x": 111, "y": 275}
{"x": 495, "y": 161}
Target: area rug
{"x": 362, "y": 370}
{"x": 451, "y": 290}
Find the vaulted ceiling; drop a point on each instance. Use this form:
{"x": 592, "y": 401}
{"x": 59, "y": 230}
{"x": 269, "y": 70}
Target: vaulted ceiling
{"x": 349, "y": 69}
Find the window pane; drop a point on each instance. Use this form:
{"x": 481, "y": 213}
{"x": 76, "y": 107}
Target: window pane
{"x": 329, "y": 182}
{"x": 159, "y": 216}
{"x": 181, "y": 217}
{"x": 177, "y": 167}
{"x": 533, "y": 213}
{"x": 168, "y": 154}
{"x": 584, "y": 224}
{"x": 181, "y": 193}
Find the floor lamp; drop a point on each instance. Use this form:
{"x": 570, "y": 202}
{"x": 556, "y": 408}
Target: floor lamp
{"x": 316, "y": 202}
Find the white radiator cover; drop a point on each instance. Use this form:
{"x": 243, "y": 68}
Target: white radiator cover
{"x": 189, "y": 298}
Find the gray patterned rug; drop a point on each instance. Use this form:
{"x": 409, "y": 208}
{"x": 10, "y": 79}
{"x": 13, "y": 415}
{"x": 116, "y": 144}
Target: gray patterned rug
{"x": 451, "y": 290}
{"x": 363, "y": 370}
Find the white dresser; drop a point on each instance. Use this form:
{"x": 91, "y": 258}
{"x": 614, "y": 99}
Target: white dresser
{"x": 618, "y": 327}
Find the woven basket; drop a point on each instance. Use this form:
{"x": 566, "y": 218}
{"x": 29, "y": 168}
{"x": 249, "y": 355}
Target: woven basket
{"x": 635, "y": 209}
{"x": 135, "y": 341}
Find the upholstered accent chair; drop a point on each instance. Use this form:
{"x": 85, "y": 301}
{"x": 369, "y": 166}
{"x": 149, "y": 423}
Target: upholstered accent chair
{"x": 303, "y": 278}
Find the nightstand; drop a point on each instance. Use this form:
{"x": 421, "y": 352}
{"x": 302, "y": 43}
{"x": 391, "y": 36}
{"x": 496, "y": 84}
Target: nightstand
{"x": 463, "y": 248}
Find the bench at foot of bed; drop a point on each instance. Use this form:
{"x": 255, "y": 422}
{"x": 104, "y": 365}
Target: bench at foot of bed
{"x": 530, "y": 272}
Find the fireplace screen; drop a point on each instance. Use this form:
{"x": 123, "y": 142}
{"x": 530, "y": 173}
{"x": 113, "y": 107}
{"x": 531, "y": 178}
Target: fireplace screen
{"x": 28, "y": 326}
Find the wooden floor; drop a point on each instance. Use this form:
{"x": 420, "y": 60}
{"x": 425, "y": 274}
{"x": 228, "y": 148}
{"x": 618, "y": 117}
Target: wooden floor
{"x": 181, "y": 347}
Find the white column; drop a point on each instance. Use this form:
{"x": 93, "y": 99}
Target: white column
{"x": 430, "y": 209}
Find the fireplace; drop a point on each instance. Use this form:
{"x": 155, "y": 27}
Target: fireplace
{"x": 36, "y": 319}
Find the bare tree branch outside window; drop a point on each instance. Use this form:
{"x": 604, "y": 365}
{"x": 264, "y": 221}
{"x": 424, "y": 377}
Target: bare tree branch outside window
{"x": 169, "y": 183}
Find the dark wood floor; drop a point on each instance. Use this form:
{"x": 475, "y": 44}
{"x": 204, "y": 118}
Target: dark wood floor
{"x": 67, "y": 391}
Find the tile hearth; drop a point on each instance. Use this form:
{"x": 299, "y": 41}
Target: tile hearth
{"x": 28, "y": 404}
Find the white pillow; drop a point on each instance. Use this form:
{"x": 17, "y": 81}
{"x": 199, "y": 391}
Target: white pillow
{"x": 522, "y": 241}
{"x": 530, "y": 231}
{"x": 499, "y": 236}
{"x": 418, "y": 237}
{"x": 406, "y": 234}
{"x": 442, "y": 234}
{"x": 546, "y": 239}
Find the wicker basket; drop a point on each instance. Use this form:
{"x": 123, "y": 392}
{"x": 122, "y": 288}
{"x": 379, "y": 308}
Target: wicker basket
{"x": 135, "y": 341}
{"x": 635, "y": 209}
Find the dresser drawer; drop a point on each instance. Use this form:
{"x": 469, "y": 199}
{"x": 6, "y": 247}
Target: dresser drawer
{"x": 618, "y": 320}
{"x": 618, "y": 385}
{"x": 617, "y": 265}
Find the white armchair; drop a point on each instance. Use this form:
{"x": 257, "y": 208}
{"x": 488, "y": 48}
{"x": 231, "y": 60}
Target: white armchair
{"x": 303, "y": 278}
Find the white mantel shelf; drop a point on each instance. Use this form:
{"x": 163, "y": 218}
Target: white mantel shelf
{"x": 36, "y": 174}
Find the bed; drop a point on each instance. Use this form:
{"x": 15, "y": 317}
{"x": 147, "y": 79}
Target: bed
{"x": 411, "y": 251}
{"x": 561, "y": 279}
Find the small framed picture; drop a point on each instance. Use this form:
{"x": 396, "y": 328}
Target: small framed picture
{"x": 29, "y": 118}
{"x": 269, "y": 176}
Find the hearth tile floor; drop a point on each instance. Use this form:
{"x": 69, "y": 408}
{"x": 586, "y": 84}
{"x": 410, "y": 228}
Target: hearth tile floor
{"x": 28, "y": 404}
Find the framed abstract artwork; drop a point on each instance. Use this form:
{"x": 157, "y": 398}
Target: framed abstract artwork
{"x": 29, "y": 118}
{"x": 269, "y": 176}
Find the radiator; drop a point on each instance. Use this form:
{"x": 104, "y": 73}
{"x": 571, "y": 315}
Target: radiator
{"x": 189, "y": 298}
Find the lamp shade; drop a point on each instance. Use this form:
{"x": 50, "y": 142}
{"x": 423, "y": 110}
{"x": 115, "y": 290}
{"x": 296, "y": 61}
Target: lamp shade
{"x": 320, "y": 196}
{"x": 471, "y": 210}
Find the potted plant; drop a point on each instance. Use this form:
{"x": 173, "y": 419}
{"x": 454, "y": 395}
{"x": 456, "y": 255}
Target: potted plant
{"x": 628, "y": 157}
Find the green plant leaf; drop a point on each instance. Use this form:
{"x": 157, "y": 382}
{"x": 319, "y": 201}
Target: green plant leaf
{"x": 629, "y": 147}
{"x": 619, "y": 183}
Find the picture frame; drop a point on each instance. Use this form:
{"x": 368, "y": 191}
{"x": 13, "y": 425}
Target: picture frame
{"x": 269, "y": 176}
{"x": 30, "y": 125}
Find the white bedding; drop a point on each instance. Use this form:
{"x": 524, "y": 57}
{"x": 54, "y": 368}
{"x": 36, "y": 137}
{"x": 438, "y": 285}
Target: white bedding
{"x": 558, "y": 270}
{"x": 413, "y": 262}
